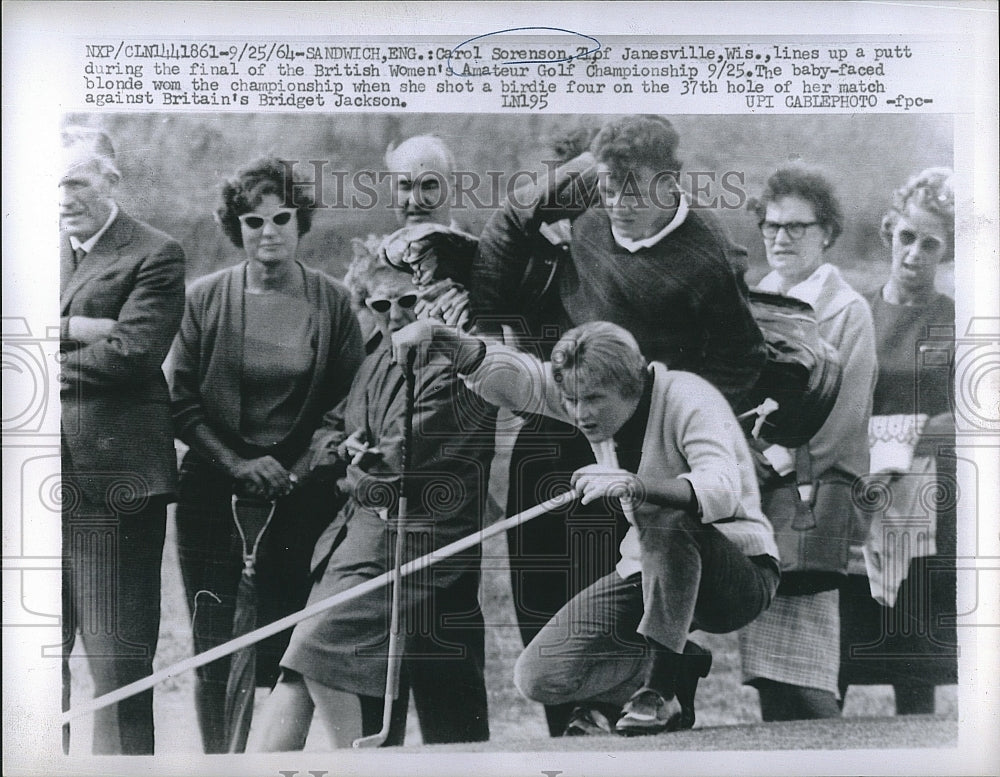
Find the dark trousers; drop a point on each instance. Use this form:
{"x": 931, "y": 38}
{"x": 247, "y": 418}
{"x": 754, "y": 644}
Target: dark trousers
{"x": 912, "y": 646}
{"x": 444, "y": 666}
{"x": 554, "y": 557}
{"x": 693, "y": 578}
{"x": 112, "y": 549}
{"x": 211, "y": 561}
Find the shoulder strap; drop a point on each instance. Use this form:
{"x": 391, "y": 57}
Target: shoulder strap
{"x": 803, "y": 466}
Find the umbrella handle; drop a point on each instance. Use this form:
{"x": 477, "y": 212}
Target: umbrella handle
{"x": 250, "y": 549}
{"x": 241, "y": 682}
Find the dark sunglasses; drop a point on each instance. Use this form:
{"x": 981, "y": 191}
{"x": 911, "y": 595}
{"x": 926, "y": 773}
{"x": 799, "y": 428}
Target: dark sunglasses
{"x": 279, "y": 219}
{"x": 406, "y": 302}
{"x": 928, "y": 245}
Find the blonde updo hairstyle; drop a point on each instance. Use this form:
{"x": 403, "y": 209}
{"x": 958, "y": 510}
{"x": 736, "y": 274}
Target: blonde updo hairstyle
{"x": 931, "y": 190}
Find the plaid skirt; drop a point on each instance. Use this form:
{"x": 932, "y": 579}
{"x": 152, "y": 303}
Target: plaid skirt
{"x": 795, "y": 641}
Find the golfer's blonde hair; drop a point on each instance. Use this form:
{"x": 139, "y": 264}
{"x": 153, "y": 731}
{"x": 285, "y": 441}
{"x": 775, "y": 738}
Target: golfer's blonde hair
{"x": 599, "y": 353}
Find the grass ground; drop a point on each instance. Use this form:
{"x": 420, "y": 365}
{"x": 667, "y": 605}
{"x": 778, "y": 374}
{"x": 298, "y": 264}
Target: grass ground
{"x": 727, "y": 710}
{"x": 925, "y": 731}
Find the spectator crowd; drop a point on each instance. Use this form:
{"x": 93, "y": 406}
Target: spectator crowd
{"x": 602, "y": 331}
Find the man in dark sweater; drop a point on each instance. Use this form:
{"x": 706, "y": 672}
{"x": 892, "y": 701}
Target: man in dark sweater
{"x": 639, "y": 256}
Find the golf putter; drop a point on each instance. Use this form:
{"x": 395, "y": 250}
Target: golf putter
{"x": 394, "y": 663}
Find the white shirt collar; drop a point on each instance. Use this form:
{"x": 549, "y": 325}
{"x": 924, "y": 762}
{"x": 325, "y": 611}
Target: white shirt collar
{"x": 807, "y": 290}
{"x": 648, "y": 242}
{"x": 89, "y": 243}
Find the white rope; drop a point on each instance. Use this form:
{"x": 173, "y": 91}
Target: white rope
{"x": 252, "y": 637}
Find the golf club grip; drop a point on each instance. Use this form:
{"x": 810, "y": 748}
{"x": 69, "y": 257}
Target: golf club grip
{"x": 394, "y": 661}
{"x": 409, "y": 377}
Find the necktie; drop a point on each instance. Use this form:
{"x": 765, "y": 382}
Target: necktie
{"x": 78, "y": 254}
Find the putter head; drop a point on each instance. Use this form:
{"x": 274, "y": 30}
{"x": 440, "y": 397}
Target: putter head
{"x": 375, "y": 740}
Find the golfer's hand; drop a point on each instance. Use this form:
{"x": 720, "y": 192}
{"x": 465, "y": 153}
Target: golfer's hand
{"x": 264, "y": 477}
{"x": 767, "y": 477}
{"x": 597, "y": 480}
{"x": 416, "y": 338}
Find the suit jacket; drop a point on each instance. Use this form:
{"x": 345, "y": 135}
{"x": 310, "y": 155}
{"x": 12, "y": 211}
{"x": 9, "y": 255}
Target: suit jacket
{"x": 116, "y": 424}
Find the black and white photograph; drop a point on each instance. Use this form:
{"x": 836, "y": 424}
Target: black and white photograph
{"x": 530, "y": 392}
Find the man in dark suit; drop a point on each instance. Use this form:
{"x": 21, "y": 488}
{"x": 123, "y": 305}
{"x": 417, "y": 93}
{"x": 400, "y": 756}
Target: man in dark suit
{"x": 121, "y": 299}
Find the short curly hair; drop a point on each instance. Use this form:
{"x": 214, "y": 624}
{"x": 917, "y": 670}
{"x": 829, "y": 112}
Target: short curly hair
{"x": 812, "y": 185}
{"x": 367, "y": 269}
{"x": 626, "y": 144}
{"x": 931, "y": 190}
{"x": 245, "y": 190}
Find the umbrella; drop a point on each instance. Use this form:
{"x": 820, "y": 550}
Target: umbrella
{"x": 252, "y": 517}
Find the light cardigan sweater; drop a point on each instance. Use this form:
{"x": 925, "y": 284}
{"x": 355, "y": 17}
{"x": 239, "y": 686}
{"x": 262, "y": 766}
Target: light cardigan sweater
{"x": 691, "y": 433}
{"x": 845, "y": 322}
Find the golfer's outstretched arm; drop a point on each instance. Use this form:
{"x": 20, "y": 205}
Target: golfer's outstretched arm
{"x": 501, "y": 375}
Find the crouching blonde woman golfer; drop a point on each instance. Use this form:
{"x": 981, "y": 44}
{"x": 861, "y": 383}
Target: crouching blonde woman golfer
{"x": 699, "y": 553}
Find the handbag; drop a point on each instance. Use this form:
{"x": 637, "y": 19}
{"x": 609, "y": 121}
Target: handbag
{"x": 812, "y": 533}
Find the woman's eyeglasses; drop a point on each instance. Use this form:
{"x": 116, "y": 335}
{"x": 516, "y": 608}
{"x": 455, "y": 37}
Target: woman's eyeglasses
{"x": 406, "y": 302}
{"x": 794, "y": 229}
{"x": 255, "y": 222}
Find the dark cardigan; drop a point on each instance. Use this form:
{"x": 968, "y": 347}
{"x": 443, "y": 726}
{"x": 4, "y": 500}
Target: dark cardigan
{"x": 207, "y": 360}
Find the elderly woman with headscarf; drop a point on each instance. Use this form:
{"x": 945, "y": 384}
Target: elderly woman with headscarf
{"x": 265, "y": 349}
